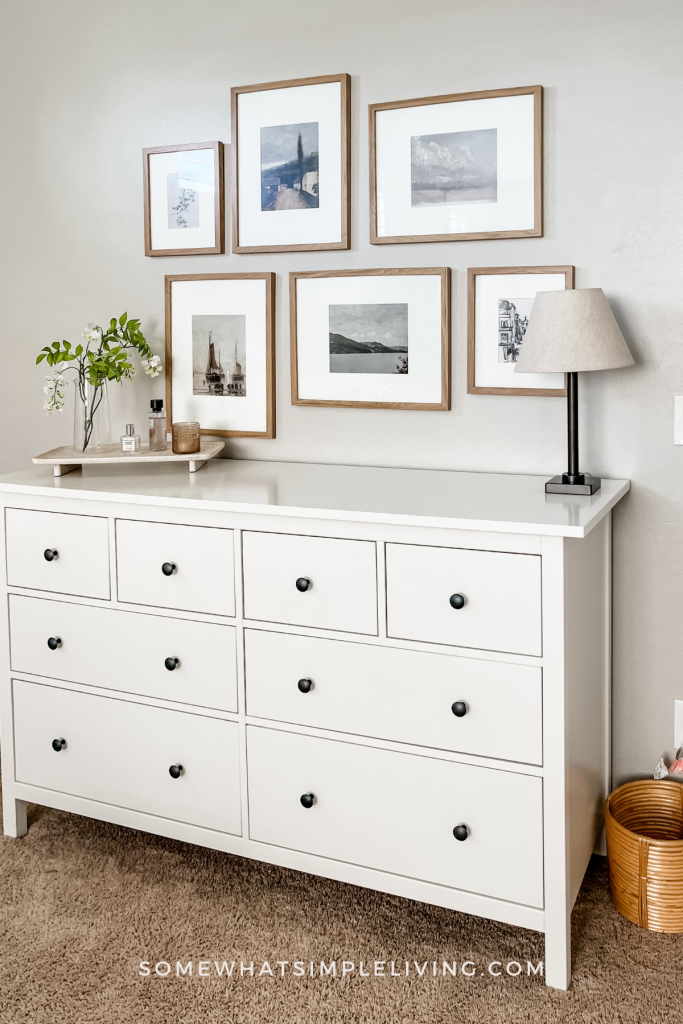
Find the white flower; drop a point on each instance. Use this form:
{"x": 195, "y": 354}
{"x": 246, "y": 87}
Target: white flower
{"x": 152, "y": 366}
{"x": 92, "y": 332}
{"x": 55, "y": 391}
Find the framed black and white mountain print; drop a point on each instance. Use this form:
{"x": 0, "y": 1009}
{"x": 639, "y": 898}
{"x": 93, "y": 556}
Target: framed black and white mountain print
{"x": 374, "y": 339}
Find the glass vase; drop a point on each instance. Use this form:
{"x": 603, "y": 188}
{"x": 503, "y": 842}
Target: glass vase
{"x": 92, "y": 425}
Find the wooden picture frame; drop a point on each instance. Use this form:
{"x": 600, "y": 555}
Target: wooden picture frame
{"x": 269, "y": 362}
{"x": 240, "y": 244}
{"x": 218, "y": 246}
{"x": 533, "y": 231}
{"x": 443, "y": 382}
{"x": 567, "y": 272}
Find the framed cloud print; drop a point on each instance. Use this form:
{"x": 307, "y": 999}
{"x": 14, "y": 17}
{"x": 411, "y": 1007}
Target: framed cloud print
{"x": 184, "y": 200}
{"x": 371, "y": 339}
{"x": 499, "y": 304}
{"x": 291, "y": 179}
{"x": 459, "y": 167}
{"x": 220, "y": 353}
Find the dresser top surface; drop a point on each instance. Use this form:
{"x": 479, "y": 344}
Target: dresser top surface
{"x": 497, "y": 502}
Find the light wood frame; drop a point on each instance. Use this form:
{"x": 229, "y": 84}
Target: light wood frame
{"x": 445, "y": 275}
{"x": 472, "y": 275}
{"x": 345, "y": 241}
{"x": 219, "y": 199}
{"x": 269, "y": 278}
{"x": 533, "y": 90}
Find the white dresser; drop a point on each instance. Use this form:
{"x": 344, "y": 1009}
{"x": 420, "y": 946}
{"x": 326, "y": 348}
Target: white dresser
{"x": 396, "y": 678}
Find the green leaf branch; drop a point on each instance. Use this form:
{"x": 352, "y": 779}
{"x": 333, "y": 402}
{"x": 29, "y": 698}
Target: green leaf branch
{"x": 104, "y": 357}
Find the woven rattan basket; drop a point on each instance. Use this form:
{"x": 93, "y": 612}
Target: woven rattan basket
{"x": 644, "y": 823}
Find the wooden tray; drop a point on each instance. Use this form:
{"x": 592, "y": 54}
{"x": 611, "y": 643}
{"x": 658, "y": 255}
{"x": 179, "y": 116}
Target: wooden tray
{"x": 66, "y": 459}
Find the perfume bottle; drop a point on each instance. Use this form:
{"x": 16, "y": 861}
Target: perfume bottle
{"x": 130, "y": 441}
{"x": 157, "y": 426}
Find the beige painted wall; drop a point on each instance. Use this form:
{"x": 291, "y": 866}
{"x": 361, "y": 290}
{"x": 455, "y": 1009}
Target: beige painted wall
{"x": 87, "y": 83}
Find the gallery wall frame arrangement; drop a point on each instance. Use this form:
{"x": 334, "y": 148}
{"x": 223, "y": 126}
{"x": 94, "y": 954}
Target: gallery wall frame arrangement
{"x": 184, "y": 199}
{"x": 459, "y": 167}
{"x": 220, "y": 352}
{"x": 291, "y": 165}
{"x": 499, "y": 301}
{"x": 371, "y": 339}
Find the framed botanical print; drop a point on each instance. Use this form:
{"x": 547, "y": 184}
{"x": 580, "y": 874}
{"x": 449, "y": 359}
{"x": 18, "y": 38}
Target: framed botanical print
{"x": 373, "y": 339}
{"x": 459, "y": 167}
{"x": 499, "y": 303}
{"x": 291, "y": 178}
{"x": 184, "y": 200}
{"x": 220, "y": 353}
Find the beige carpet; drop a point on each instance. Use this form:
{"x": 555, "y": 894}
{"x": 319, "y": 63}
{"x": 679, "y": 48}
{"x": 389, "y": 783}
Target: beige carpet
{"x": 84, "y": 902}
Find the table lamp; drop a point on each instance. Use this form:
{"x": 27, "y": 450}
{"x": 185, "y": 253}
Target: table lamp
{"x": 571, "y": 331}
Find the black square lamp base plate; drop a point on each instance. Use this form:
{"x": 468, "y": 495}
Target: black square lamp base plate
{"x": 557, "y": 485}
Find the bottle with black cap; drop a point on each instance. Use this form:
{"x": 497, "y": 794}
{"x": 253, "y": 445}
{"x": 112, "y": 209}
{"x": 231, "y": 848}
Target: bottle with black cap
{"x": 157, "y": 426}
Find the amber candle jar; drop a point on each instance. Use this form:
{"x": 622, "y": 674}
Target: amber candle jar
{"x": 186, "y": 438}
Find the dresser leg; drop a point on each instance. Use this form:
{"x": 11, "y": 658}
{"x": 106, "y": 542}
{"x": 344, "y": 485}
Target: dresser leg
{"x": 558, "y": 954}
{"x": 14, "y": 817}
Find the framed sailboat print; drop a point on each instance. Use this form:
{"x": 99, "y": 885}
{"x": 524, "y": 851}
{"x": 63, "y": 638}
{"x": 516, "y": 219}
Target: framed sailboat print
{"x": 220, "y": 353}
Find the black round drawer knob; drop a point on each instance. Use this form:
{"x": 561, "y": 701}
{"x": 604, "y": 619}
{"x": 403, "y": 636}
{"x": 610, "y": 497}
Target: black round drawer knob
{"x": 459, "y": 709}
{"x": 175, "y": 771}
{"x": 58, "y": 744}
{"x": 303, "y": 584}
{"x": 172, "y": 664}
{"x": 54, "y": 642}
{"x": 49, "y": 554}
{"x": 461, "y": 833}
{"x": 168, "y": 568}
{"x": 305, "y": 685}
{"x": 457, "y": 601}
{"x": 307, "y": 800}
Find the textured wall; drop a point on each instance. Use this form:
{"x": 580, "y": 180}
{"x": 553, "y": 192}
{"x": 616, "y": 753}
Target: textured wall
{"x": 88, "y": 83}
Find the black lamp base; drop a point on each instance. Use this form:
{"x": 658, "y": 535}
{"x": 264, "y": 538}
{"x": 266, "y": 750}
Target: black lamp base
{"x": 561, "y": 484}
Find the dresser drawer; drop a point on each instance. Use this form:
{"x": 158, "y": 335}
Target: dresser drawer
{"x": 199, "y": 560}
{"x": 81, "y": 563}
{"x": 396, "y": 812}
{"x": 125, "y": 651}
{"x": 394, "y": 694}
{"x": 341, "y": 574}
{"x": 120, "y": 753}
{"x": 502, "y": 592}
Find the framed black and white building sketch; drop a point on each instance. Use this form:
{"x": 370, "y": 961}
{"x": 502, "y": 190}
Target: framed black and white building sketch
{"x": 459, "y": 167}
{"x": 291, "y": 185}
{"x": 220, "y": 353}
{"x": 499, "y": 304}
{"x": 371, "y": 338}
{"x": 184, "y": 200}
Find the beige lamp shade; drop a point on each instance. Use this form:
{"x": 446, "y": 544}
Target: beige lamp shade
{"x": 572, "y": 330}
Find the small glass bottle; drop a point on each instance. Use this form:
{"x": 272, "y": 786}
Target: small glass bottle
{"x": 130, "y": 441}
{"x": 157, "y": 426}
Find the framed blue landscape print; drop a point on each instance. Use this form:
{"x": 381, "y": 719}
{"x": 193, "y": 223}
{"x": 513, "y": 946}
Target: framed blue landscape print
{"x": 290, "y": 165}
